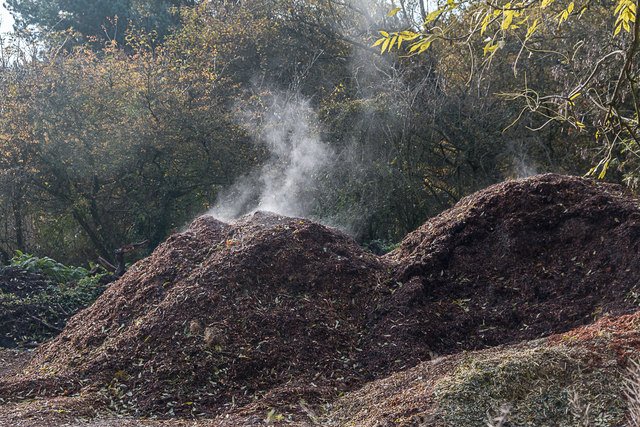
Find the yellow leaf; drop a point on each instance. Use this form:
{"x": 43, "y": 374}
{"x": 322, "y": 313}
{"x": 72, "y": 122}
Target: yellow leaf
{"x": 582, "y": 10}
{"x": 415, "y": 47}
{"x": 603, "y": 172}
{"x": 532, "y": 29}
{"x": 385, "y": 45}
{"x": 617, "y": 30}
{"x": 490, "y": 48}
{"x": 563, "y": 16}
{"x": 394, "y": 11}
{"x": 506, "y": 21}
{"x": 425, "y": 46}
{"x": 485, "y": 22}
{"x": 392, "y": 42}
{"x": 433, "y": 15}
{"x": 409, "y": 35}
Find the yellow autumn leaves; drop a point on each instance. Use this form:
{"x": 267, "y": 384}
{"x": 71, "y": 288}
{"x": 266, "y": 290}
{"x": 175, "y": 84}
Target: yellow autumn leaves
{"x": 625, "y": 15}
{"x": 388, "y": 41}
{"x": 507, "y": 18}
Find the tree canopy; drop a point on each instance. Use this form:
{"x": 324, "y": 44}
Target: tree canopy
{"x": 97, "y": 21}
{"x": 114, "y": 141}
{"x": 589, "y": 48}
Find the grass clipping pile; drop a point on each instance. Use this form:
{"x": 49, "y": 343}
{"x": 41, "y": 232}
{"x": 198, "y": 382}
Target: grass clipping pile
{"x": 224, "y": 314}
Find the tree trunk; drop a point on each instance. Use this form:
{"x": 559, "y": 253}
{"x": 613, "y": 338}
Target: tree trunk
{"x": 18, "y": 223}
{"x": 97, "y": 242}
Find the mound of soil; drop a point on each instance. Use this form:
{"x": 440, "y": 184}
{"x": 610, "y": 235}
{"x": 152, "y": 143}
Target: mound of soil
{"x": 516, "y": 261}
{"x": 217, "y": 316}
{"x": 22, "y": 283}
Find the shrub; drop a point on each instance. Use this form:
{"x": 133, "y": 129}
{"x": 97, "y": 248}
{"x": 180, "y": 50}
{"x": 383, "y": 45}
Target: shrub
{"x": 38, "y": 296}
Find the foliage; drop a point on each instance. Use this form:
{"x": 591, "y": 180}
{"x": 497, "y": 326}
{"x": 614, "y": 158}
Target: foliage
{"x": 592, "y": 45}
{"x": 115, "y": 147}
{"x": 38, "y": 296}
{"x": 103, "y": 145}
{"x": 57, "y": 272}
{"x": 94, "y": 21}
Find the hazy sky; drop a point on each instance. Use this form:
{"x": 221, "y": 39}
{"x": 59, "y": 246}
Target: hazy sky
{"x": 5, "y": 18}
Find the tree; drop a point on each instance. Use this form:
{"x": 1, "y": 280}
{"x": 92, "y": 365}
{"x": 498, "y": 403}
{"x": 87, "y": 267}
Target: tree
{"x": 103, "y": 145}
{"x": 589, "y": 48}
{"x": 112, "y": 147}
{"x": 98, "y": 21}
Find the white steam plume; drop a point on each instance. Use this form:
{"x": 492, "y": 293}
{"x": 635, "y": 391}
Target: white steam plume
{"x": 286, "y": 183}
{"x": 522, "y": 164}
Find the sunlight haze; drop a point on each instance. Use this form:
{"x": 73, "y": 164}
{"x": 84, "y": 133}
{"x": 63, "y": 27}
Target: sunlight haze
{"x": 6, "y": 20}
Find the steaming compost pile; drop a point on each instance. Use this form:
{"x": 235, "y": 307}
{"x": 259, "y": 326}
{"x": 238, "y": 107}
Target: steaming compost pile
{"x": 284, "y": 309}
{"x": 220, "y": 313}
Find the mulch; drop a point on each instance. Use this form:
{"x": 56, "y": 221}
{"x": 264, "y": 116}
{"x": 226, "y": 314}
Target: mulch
{"x": 217, "y": 316}
{"x": 517, "y": 261}
{"x": 222, "y": 316}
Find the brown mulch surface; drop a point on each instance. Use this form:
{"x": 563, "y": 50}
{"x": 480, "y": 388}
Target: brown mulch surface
{"x": 271, "y": 310}
{"x": 620, "y": 334}
{"x": 12, "y": 361}
{"x": 516, "y": 261}
{"x": 218, "y": 316}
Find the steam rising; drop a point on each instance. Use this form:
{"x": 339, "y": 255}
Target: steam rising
{"x": 286, "y": 183}
{"x": 522, "y": 164}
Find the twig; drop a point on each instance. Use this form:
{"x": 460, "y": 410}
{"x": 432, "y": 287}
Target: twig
{"x": 48, "y": 325}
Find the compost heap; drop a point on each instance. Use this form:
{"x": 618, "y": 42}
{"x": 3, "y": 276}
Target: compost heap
{"x": 573, "y": 379}
{"x": 221, "y": 314}
{"x": 516, "y": 261}
{"x": 218, "y": 314}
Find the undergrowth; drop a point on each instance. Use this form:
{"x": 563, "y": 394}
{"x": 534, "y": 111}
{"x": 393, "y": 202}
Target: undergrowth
{"x": 38, "y": 295}
{"x": 50, "y": 268}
